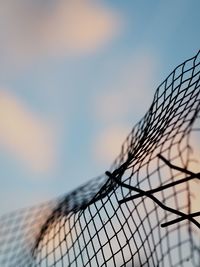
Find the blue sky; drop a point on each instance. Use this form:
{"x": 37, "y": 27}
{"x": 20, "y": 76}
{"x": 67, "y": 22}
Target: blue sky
{"x": 75, "y": 76}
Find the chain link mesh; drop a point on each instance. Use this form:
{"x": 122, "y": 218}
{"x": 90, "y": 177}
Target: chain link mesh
{"x": 142, "y": 212}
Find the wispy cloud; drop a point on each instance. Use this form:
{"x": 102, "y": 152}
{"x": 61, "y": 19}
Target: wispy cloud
{"x": 25, "y": 136}
{"x": 194, "y": 166}
{"x": 108, "y": 143}
{"x": 54, "y": 28}
{"x": 131, "y": 92}
{"x": 129, "y": 96}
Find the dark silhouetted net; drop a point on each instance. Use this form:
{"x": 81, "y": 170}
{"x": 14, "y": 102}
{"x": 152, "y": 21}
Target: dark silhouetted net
{"x": 142, "y": 212}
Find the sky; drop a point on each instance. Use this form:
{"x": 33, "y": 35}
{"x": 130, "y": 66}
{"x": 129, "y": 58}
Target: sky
{"x": 75, "y": 76}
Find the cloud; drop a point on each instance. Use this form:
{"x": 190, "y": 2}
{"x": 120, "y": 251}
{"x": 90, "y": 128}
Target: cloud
{"x": 108, "y": 143}
{"x": 80, "y": 26}
{"x": 25, "y": 136}
{"x": 54, "y": 28}
{"x": 129, "y": 96}
{"x": 194, "y": 166}
{"x": 58, "y": 233}
{"x": 131, "y": 93}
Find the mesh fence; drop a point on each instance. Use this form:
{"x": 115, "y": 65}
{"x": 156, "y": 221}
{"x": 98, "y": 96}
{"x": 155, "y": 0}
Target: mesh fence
{"x": 144, "y": 211}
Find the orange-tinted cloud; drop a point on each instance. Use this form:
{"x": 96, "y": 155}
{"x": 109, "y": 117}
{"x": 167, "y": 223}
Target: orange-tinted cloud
{"x": 24, "y": 135}
{"x": 108, "y": 143}
{"x": 131, "y": 92}
{"x": 79, "y": 26}
{"x": 55, "y": 28}
{"x": 194, "y": 166}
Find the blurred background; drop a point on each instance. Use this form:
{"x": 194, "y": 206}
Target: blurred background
{"x": 75, "y": 76}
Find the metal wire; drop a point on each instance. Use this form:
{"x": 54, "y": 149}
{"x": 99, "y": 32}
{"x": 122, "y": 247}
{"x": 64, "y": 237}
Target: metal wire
{"x": 140, "y": 212}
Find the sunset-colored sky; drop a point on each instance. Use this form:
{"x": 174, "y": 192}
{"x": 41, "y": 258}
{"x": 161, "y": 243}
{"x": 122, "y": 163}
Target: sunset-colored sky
{"x": 75, "y": 76}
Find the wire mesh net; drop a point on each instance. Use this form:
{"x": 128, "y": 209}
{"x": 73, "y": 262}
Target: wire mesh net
{"x": 144, "y": 211}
